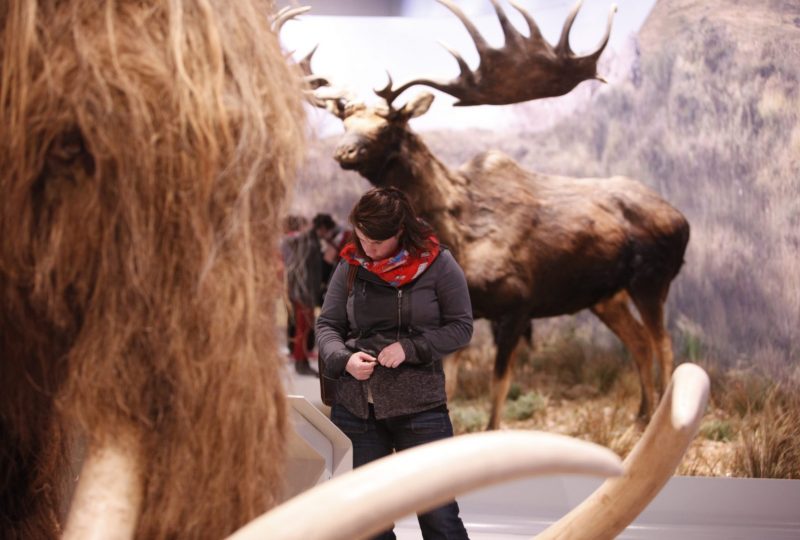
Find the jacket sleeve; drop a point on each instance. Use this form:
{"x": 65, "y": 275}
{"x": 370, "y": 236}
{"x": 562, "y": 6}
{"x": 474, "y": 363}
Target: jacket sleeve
{"x": 455, "y": 310}
{"x": 332, "y": 325}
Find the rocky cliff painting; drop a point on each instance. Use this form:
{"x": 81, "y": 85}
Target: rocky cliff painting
{"x": 701, "y": 105}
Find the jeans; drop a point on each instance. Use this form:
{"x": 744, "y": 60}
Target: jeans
{"x": 373, "y": 439}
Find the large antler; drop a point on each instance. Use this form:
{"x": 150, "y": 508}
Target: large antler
{"x": 525, "y": 68}
{"x": 289, "y": 13}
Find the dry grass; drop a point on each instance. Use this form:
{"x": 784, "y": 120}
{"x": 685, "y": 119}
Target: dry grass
{"x": 566, "y": 385}
{"x": 768, "y": 445}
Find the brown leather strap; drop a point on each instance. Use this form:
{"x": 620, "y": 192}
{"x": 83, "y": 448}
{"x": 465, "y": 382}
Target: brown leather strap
{"x": 352, "y": 270}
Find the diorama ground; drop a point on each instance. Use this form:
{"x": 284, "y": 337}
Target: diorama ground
{"x": 578, "y": 381}
{"x": 600, "y": 419}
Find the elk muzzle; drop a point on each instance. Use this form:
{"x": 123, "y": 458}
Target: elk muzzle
{"x": 350, "y": 152}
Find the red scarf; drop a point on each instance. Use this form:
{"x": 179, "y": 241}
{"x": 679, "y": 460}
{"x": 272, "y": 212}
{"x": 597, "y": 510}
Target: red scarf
{"x": 399, "y": 269}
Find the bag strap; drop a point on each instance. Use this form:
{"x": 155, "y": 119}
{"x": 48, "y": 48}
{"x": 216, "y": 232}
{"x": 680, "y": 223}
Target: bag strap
{"x": 352, "y": 270}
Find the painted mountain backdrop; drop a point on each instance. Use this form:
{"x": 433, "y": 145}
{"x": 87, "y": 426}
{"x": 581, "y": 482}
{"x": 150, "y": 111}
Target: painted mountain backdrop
{"x": 707, "y": 114}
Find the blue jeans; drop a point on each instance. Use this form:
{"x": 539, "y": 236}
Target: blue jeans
{"x": 373, "y": 439}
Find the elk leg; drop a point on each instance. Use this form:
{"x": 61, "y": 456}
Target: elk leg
{"x": 507, "y": 333}
{"x": 450, "y": 365}
{"x": 651, "y": 309}
{"x": 617, "y": 316}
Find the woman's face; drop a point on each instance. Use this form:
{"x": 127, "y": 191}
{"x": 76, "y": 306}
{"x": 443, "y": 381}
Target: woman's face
{"x": 378, "y": 250}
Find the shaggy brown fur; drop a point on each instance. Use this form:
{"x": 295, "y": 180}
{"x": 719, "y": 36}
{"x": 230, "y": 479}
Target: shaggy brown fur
{"x": 146, "y": 152}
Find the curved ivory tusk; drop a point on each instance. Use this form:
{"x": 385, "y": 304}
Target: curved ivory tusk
{"x": 108, "y": 497}
{"x": 651, "y": 463}
{"x": 368, "y": 499}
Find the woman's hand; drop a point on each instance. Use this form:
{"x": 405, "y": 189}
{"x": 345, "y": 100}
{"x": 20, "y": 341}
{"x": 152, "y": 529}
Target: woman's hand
{"x": 392, "y": 356}
{"x": 360, "y": 365}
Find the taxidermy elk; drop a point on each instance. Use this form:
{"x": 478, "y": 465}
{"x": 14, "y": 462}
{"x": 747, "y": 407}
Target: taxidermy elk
{"x": 531, "y": 245}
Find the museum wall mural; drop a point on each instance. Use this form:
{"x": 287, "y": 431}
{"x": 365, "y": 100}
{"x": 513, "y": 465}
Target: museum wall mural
{"x": 701, "y": 105}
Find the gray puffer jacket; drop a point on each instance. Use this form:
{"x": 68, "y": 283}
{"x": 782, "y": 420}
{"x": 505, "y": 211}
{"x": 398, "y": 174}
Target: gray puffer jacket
{"x": 431, "y": 317}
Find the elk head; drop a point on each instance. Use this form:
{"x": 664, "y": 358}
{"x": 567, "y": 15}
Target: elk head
{"x": 374, "y": 135}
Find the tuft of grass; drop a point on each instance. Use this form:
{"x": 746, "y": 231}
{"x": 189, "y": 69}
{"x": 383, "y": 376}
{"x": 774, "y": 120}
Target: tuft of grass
{"x": 693, "y": 348}
{"x": 573, "y": 356}
{"x": 514, "y": 391}
{"x": 570, "y": 363}
{"x": 474, "y": 365}
{"x": 468, "y": 418}
{"x": 717, "y": 430}
{"x": 473, "y": 383}
{"x": 561, "y": 355}
{"x": 604, "y": 370}
{"x": 689, "y": 341}
{"x": 700, "y": 462}
{"x": 718, "y": 377}
{"x": 745, "y": 391}
{"x": 610, "y": 426}
{"x": 526, "y": 406}
{"x": 769, "y": 442}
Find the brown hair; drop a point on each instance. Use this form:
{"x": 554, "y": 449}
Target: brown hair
{"x": 383, "y": 212}
{"x": 147, "y": 150}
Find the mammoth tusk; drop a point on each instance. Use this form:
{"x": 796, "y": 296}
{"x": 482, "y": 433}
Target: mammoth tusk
{"x": 617, "y": 502}
{"x": 108, "y": 497}
{"x": 368, "y": 499}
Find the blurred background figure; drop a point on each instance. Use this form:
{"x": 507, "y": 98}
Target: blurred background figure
{"x": 332, "y": 238}
{"x": 302, "y": 259}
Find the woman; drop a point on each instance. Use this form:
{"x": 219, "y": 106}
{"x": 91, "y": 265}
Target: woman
{"x": 396, "y": 304}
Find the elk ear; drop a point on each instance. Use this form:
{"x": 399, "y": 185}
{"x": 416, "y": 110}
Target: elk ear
{"x": 336, "y": 107}
{"x": 418, "y": 105}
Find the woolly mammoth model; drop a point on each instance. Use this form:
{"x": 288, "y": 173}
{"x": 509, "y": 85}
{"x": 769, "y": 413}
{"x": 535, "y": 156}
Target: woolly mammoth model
{"x": 146, "y": 151}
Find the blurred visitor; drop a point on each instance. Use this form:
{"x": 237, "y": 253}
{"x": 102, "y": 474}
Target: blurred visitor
{"x": 332, "y": 237}
{"x": 302, "y": 260}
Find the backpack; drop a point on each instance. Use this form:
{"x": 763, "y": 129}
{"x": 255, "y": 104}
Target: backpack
{"x": 327, "y": 385}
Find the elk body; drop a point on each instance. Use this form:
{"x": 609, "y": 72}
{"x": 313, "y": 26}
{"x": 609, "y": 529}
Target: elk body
{"x": 531, "y": 245}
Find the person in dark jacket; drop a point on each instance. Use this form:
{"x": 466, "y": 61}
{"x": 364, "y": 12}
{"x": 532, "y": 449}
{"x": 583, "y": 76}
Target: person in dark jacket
{"x": 396, "y": 305}
{"x": 302, "y": 260}
{"x": 332, "y": 238}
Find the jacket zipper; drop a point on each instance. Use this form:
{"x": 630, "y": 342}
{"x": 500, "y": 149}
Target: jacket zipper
{"x": 399, "y": 311}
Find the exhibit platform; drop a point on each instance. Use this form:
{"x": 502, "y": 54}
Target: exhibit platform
{"x": 687, "y": 508}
